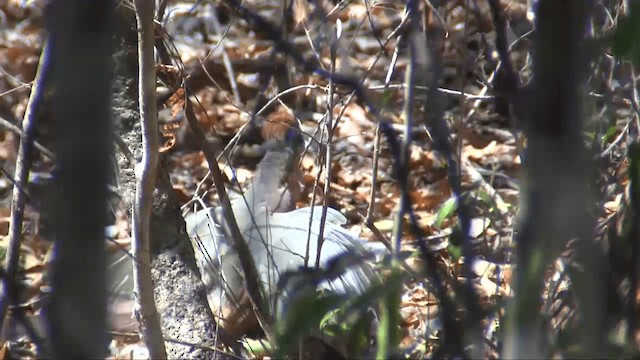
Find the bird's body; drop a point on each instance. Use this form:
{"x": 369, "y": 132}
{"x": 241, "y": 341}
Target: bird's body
{"x": 279, "y": 243}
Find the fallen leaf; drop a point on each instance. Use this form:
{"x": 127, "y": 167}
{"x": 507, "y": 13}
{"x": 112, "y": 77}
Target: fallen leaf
{"x": 478, "y": 226}
{"x": 384, "y": 225}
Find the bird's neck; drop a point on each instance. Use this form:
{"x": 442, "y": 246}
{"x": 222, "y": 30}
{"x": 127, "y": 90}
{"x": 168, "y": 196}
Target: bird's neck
{"x": 274, "y": 167}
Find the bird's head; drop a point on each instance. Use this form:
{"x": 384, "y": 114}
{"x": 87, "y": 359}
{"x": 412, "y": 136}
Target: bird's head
{"x": 281, "y": 129}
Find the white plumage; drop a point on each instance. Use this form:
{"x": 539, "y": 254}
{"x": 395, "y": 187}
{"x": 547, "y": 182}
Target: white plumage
{"x": 279, "y": 242}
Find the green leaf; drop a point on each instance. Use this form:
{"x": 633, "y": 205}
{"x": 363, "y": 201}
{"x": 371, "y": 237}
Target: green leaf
{"x": 446, "y": 211}
{"x": 386, "y": 97}
{"x": 388, "y": 336}
{"x": 611, "y": 131}
{"x": 303, "y": 316}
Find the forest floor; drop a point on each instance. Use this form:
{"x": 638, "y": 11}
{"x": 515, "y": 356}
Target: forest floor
{"x": 225, "y": 63}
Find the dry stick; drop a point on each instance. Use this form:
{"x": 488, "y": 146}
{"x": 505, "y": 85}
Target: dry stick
{"x": 445, "y": 91}
{"x": 125, "y": 149}
{"x": 635, "y": 99}
{"x": 287, "y": 91}
{"x": 14, "y": 80}
{"x": 23, "y": 165}
{"x": 368, "y": 220}
{"x": 476, "y": 178}
{"x": 403, "y": 166}
{"x": 16, "y": 130}
{"x": 206, "y": 347}
{"x": 503, "y": 52}
{"x": 374, "y": 29}
{"x": 512, "y": 89}
{"x": 162, "y": 6}
{"x": 376, "y": 146}
{"x": 459, "y": 121}
{"x": 313, "y": 202}
{"x": 329, "y": 155}
{"x": 352, "y": 95}
{"x": 428, "y": 58}
{"x": 481, "y": 95}
{"x": 246, "y": 260}
{"x": 13, "y": 90}
{"x": 311, "y": 45}
{"x": 393, "y": 34}
{"x": 225, "y": 58}
{"x": 15, "y": 183}
{"x": 145, "y": 306}
{"x": 386, "y": 338}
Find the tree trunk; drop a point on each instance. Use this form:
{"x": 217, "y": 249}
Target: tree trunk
{"x": 180, "y": 295}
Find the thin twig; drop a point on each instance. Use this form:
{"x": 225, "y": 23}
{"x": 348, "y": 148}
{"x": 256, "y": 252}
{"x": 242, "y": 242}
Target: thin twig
{"x": 225, "y": 58}
{"x": 446, "y": 91}
{"x": 13, "y": 90}
{"x": 618, "y": 139}
{"x": 403, "y": 165}
{"x": 511, "y": 85}
{"x": 125, "y": 149}
{"x": 15, "y": 183}
{"x": 313, "y": 202}
{"x": 376, "y": 145}
{"x": 329, "y": 154}
{"x": 247, "y": 263}
{"x": 477, "y": 178}
{"x": 145, "y": 307}
{"x": 277, "y": 97}
{"x": 430, "y": 72}
{"x": 287, "y": 91}
{"x": 23, "y": 165}
{"x": 213, "y": 349}
{"x": 16, "y": 130}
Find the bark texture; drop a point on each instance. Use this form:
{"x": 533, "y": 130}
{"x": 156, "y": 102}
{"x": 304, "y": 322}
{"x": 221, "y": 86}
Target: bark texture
{"x": 179, "y": 292}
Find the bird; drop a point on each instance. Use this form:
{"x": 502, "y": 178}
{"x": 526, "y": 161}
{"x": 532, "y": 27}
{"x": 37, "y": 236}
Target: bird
{"x": 280, "y": 241}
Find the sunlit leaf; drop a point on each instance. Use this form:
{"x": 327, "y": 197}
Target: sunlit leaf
{"x": 446, "y": 211}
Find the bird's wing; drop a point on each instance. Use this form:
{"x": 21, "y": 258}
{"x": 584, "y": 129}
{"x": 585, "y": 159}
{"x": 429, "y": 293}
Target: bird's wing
{"x": 216, "y": 258}
{"x": 315, "y": 213}
{"x": 207, "y": 237}
{"x": 287, "y": 247}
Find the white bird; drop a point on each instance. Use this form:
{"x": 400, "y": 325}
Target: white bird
{"x": 279, "y": 242}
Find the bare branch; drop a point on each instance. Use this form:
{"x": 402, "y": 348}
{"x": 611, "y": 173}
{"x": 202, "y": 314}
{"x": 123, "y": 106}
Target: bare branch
{"x": 146, "y": 173}
{"x": 23, "y": 166}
